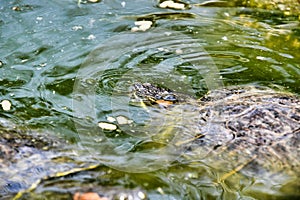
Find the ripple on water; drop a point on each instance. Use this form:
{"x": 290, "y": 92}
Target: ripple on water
{"x": 115, "y": 66}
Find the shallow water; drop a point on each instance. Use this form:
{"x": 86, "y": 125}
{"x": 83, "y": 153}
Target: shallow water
{"x": 65, "y": 67}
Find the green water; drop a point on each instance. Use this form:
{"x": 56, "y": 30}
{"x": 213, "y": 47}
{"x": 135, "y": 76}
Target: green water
{"x": 65, "y": 67}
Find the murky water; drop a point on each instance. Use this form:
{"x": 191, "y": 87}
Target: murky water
{"x": 66, "y": 67}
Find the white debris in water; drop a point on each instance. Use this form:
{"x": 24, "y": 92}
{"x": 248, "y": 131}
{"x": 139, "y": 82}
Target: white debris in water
{"x": 260, "y": 58}
{"x": 135, "y": 29}
{"x": 143, "y": 23}
{"x": 123, "y": 120}
{"x": 24, "y": 60}
{"x": 111, "y": 119}
{"x": 107, "y": 126}
{"x": 191, "y": 175}
{"x": 43, "y": 64}
{"x": 123, "y": 4}
{"x": 167, "y": 33}
{"x": 178, "y": 51}
{"x": 39, "y": 18}
{"x": 160, "y": 190}
{"x": 6, "y": 105}
{"x": 91, "y": 37}
{"x": 142, "y": 26}
{"x": 76, "y": 28}
{"x": 141, "y": 195}
{"x": 281, "y": 7}
{"x": 172, "y": 4}
{"x": 224, "y": 38}
{"x": 124, "y": 196}
{"x": 226, "y": 14}
{"x": 163, "y": 49}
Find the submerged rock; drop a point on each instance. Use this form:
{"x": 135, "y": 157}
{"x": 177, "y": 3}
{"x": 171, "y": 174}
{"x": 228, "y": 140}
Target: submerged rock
{"x": 35, "y": 159}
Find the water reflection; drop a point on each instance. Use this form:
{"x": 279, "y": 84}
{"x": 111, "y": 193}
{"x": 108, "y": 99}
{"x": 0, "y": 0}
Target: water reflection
{"x": 43, "y": 47}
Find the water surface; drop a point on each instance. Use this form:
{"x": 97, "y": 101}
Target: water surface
{"x": 65, "y": 67}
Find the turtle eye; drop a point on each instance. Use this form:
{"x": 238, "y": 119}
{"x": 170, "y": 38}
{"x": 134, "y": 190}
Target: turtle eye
{"x": 170, "y": 97}
{"x": 158, "y": 97}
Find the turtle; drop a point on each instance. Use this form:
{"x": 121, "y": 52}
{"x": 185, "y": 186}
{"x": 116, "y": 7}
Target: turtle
{"x": 247, "y": 129}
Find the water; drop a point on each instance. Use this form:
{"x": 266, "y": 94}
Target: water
{"x": 66, "y": 67}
